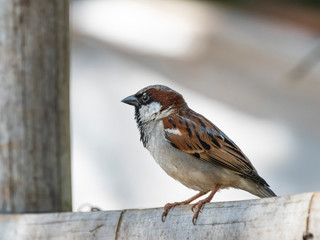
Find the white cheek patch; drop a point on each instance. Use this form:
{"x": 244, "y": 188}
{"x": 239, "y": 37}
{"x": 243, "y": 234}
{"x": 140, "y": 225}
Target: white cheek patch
{"x": 148, "y": 112}
{"x": 173, "y": 131}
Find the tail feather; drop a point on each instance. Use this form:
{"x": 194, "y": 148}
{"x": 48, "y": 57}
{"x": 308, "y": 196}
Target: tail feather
{"x": 264, "y": 192}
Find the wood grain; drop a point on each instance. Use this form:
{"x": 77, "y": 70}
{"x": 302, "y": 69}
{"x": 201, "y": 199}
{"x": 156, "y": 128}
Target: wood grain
{"x": 34, "y": 106}
{"x": 288, "y": 217}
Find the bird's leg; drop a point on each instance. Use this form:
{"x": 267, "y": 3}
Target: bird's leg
{"x": 168, "y": 206}
{"x": 202, "y": 202}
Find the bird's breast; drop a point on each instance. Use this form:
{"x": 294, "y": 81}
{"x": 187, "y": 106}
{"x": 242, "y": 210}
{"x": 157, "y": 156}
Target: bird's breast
{"x": 190, "y": 171}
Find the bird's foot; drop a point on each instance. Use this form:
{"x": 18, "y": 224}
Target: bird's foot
{"x": 168, "y": 206}
{"x": 199, "y": 205}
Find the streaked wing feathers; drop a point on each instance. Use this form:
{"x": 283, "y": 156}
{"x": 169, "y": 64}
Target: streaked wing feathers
{"x": 199, "y": 137}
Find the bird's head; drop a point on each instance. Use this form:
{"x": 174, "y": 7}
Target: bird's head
{"x": 155, "y": 102}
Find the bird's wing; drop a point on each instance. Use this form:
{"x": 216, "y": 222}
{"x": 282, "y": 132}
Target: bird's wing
{"x": 190, "y": 132}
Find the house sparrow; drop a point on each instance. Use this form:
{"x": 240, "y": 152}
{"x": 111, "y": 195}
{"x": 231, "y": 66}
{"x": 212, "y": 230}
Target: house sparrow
{"x": 190, "y": 148}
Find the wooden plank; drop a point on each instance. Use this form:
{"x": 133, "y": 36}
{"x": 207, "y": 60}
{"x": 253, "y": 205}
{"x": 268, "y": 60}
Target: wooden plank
{"x": 272, "y": 218}
{"x": 35, "y": 173}
{"x": 60, "y": 226}
{"x": 287, "y": 217}
{"x": 313, "y": 227}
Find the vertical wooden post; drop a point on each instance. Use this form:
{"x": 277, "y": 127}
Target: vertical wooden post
{"x": 34, "y": 106}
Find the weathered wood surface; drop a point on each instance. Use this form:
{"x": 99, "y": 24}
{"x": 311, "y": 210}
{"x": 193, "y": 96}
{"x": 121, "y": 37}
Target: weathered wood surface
{"x": 288, "y": 217}
{"x": 34, "y": 106}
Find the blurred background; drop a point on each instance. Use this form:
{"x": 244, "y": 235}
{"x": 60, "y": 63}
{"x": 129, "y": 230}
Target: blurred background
{"x": 252, "y": 68}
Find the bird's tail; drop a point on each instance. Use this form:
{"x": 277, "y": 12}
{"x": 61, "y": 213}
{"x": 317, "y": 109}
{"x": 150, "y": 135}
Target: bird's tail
{"x": 264, "y": 191}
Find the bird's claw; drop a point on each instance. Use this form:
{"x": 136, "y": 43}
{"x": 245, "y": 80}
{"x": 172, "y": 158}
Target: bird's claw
{"x": 196, "y": 214}
{"x": 200, "y": 206}
{"x": 167, "y": 207}
{"x": 192, "y": 208}
{"x": 194, "y": 220}
{"x": 163, "y": 217}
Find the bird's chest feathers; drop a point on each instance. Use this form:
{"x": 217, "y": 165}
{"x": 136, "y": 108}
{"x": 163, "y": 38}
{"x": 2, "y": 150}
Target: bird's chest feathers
{"x": 165, "y": 155}
{"x": 191, "y": 172}
{"x": 158, "y": 145}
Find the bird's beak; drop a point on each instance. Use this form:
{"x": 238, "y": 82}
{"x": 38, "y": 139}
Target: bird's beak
{"x": 131, "y": 100}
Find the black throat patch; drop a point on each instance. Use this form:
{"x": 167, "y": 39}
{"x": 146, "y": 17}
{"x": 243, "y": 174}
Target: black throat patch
{"x": 141, "y": 126}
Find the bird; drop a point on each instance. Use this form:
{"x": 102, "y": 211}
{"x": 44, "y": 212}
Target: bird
{"x": 191, "y": 149}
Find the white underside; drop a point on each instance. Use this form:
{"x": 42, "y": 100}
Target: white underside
{"x": 189, "y": 170}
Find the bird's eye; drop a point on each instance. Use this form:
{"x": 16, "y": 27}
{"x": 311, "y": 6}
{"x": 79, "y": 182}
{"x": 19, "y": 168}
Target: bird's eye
{"x": 145, "y": 98}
